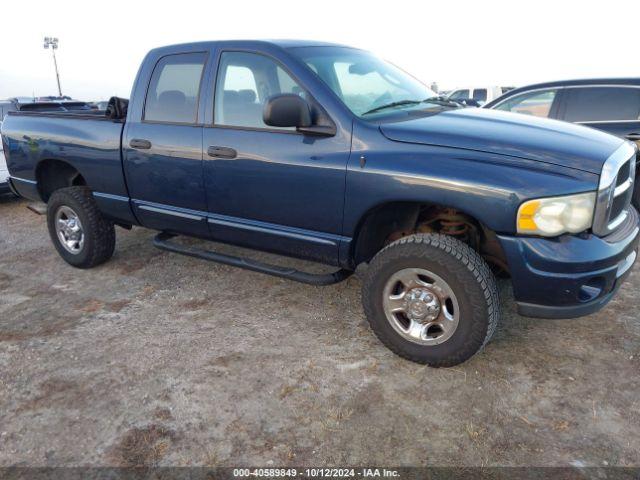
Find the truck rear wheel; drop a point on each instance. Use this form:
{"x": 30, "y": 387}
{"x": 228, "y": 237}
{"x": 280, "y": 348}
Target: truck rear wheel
{"x": 431, "y": 299}
{"x": 82, "y": 236}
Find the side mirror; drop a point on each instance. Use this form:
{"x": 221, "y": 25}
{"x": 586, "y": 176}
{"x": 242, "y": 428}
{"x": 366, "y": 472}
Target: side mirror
{"x": 287, "y": 110}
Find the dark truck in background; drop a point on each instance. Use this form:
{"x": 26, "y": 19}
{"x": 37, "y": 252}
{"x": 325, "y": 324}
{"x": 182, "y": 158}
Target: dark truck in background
{"x": 329, "y": 154}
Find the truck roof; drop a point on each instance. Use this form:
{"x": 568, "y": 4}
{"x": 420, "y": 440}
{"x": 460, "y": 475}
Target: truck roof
{"x": 252, "y": 44}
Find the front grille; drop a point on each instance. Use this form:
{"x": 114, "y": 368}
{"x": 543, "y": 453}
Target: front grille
{"x": 623, "y": 173}
{"x": 618, "y": 207}
{"x": 625, "y": 229}
{"x": 615, "y": 192}
{"x": 622, "y": 193}
{"x": 636, "y": 192}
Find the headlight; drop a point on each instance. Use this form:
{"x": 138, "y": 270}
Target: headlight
{"x": 554, "y": 216}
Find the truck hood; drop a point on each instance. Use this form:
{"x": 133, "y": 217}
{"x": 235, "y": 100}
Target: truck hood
{"x": 512, "y": 134}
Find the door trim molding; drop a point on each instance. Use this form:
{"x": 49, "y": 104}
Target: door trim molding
{"x": 289, "y": 233}
{"x": 168, "y": 211}
{"x": 311, "y": 236}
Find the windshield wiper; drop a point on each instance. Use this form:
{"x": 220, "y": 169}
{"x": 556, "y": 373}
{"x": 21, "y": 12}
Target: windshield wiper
{"x": 392, "y": 104}
{"x": 444, "y": 101}
{"x": 438, "y": 100}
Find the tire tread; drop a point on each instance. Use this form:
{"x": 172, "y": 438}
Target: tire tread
{"x": 102, "y": 231}
{"x": 469, "y": 259}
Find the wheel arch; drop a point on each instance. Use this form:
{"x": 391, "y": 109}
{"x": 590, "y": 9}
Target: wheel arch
{"x": 392, "y": 220}
{"x": 53, "y": 174}
{"x": 375, "y": 226}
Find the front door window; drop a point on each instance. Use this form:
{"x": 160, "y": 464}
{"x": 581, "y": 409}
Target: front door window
{"x": 245, "y": 82}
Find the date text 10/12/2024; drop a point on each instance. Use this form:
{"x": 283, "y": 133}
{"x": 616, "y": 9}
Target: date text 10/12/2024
{"x": 315, "y": 472}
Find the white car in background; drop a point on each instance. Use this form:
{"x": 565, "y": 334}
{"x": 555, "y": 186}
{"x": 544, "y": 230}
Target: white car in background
{"x": 4, "y": 172}
{"x": 478, "y": 95}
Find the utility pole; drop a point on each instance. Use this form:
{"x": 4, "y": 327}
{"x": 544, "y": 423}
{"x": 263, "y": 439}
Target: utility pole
{"x": 53, "y": 43}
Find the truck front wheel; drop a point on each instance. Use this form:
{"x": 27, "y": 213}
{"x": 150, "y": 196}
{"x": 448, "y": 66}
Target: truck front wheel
{"x": 82, "y": 236}
{"x": 431, "y": 299}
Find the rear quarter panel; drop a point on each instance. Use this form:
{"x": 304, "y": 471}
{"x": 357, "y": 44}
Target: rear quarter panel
{"x": 91, "y": 146}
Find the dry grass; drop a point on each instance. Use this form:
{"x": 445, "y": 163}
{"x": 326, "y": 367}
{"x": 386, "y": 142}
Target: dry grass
{"x": 118, "y": 305}
{"x": 52, "y": 392}
{"x": 141, "y": 447}
{"x": 92, "y": 306}
{"x": 287, "y": 390}
{"x": 162, "y": 414}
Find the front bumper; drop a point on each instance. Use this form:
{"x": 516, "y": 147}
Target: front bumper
{"x": 570, "y": 276}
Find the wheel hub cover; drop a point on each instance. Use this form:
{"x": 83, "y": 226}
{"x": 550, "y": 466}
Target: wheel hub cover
{"x": 422, "y": 305}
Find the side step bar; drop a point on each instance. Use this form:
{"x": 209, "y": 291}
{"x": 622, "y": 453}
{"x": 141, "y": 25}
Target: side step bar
{"x": 162, "y": 242}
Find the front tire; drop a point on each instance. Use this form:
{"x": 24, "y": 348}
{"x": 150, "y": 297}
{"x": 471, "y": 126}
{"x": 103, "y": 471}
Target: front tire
{"x": 80, "y": 233}
{"x": 431, "y": 299}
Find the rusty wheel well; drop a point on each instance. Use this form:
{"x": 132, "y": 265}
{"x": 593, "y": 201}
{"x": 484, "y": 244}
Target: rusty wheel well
{"x": 392, "y": 221}
{"x": 53, "y": 175}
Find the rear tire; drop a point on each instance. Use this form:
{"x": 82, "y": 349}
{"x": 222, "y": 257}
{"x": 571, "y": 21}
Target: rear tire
{"x": 78, "y": 230}
{"x": 431, "y": 299}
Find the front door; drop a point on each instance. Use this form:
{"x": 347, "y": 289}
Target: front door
{"x": 163, "y": 149}
{"x": 273, "y": 189}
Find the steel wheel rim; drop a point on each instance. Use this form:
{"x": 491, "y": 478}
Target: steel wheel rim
{"x": 69, "y": 229}
{"x": 421, "y": 306}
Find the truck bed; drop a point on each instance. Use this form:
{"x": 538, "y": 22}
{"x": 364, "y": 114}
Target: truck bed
{"x": 87, "y": 141}
{"x": 76, "y": 114}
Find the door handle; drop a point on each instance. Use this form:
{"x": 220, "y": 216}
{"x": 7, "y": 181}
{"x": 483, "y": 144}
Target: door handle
{"x": 221, "y": 152}
{"x": 633, "y": 136}
{"x": 140, "y": 144}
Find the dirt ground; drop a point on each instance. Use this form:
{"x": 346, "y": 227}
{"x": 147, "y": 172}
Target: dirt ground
{"x": 160, "y": 359}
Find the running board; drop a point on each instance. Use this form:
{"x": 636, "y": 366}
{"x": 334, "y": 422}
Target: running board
{"x": 161, "y": 241}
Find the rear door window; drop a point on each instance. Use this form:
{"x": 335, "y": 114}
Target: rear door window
{"x": 174, "y": 88}
{"x": 593, "y": 104}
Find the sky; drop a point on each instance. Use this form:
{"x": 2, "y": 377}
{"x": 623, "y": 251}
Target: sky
{"x": 455, "y": 43}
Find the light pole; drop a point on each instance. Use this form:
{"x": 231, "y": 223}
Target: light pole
{"x": 53, "y": 43}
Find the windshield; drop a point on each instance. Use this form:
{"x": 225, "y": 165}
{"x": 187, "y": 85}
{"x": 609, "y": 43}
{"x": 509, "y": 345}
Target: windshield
{"x": 365, "y": 83}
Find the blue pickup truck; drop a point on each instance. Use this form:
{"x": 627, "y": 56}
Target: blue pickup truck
{"x": 327, "y": 153}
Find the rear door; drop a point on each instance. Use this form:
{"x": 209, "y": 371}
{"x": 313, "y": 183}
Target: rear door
{"x": 162, "y": 147}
